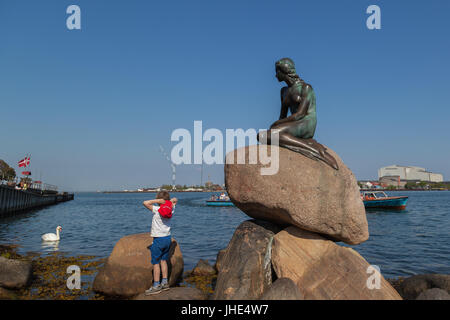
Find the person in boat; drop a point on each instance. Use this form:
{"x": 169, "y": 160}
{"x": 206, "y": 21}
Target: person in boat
{"x": 296, "y": 131}
{"x": 370, "y": 196}
{"x": 222, "y": 196}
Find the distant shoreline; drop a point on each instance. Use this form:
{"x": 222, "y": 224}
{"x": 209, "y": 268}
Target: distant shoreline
{"x": 156, "y": 191}
{"x": 135, "y": 191}
{"x": 402, "y": 190}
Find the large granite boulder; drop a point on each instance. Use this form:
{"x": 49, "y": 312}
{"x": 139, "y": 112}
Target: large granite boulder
{"x": 128, "y": 270}
{"x": 411, "y": 287}
{"x": 6, "y": 294}
{"x": 176, "y": 293}
{"x": 246, "y": 271}
{"x": 434, "y": 294}
{"x": 283, "y": 289}
{"x": 219, "y": 259}
{"x": 14, "y": 274}
{"x": 324, "y": 270}
{"x": 304, "y": 193}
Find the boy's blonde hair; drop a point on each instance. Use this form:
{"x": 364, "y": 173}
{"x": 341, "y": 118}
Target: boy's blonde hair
{"x": 163, "y": 195}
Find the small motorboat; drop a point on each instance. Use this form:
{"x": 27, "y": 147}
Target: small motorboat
{"x": 380, "y": 200}
{"x": 219, "y": 203}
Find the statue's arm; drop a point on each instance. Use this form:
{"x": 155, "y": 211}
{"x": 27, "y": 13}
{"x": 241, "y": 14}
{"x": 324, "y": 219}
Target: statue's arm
{"x": 284, "y": 108}
{"x": 283, "y": 111}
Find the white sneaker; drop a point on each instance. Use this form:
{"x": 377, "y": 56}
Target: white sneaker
{"x": 153, "y": 290}
{"x": 165, "y": 286}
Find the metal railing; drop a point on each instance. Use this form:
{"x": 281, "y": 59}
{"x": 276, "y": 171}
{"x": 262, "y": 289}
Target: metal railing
{"x": 33, "y": 185}
{"x": 43, "y": 186}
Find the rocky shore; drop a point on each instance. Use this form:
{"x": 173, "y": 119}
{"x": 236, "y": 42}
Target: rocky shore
{"x": 288, "y": 250}
{"x": 48, "y": 281}
{"x": 423, "y": 287}
{"x": 34, "y": 276}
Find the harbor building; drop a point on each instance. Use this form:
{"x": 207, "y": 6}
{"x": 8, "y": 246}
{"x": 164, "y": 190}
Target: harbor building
{"x": 400, "y": 175}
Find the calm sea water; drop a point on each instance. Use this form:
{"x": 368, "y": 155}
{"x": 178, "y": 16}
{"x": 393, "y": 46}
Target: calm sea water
{"x": 402, "y": 243}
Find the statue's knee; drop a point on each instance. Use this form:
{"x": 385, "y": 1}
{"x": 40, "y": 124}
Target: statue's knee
{"x": 264, "y": 136}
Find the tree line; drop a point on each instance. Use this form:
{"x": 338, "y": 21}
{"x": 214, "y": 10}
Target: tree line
{"x": 6, "y": 172}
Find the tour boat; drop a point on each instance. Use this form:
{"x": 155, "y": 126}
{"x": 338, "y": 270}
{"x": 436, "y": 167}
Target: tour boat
{"x": 380, "y": 200}
{"x": 219, "y": 203}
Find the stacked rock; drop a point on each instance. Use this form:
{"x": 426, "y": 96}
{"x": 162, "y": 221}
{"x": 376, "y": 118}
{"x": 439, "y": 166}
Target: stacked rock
{"x": 128, "y": 271}
{"x": 300, "y": 212}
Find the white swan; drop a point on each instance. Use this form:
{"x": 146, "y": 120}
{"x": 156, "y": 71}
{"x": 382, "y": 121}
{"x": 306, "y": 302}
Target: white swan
{"x": 52, "y": 236}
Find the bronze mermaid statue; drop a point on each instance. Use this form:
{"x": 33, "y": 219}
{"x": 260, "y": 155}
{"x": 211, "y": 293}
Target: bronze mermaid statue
{"x": 296, "y": 132}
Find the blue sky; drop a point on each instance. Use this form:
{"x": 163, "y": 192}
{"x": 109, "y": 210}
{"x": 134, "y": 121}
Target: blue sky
{"x": 93, "y": 105}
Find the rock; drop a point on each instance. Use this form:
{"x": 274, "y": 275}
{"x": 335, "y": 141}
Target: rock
{"x": 246, "y": 270}
{"x": 305, "y": 193}
{"x": 410, "y": 288}
{"x": 176, "y": 293}
{"x": 128, "y": 271}
{"x": 434, "y": 294}
{"x": 14, "y": 274}
{"x": 6, "y": 294}
{"x": 324, "y": 270}
{"x": 203, "y": 268}
{"x": 219, "y": 259}
{"x": 186, "y": 274}
{"x": 283, "y": 289}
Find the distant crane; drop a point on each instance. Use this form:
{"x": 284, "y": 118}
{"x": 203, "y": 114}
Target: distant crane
{"x": 172, "y": 165}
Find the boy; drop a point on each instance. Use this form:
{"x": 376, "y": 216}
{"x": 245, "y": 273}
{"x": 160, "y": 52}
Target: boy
{"x": 160, "y": 232}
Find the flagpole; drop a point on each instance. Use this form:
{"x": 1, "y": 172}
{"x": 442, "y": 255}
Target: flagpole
{"x": 27, "y": 169}
{"x": 26, "y": 160}
{"x": 31, "y": 173}
{"x": 23, "y": 176}
{"x": 26, "y": 166}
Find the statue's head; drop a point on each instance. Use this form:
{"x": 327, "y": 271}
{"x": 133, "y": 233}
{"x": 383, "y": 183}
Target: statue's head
{"x": 285, "y": 68}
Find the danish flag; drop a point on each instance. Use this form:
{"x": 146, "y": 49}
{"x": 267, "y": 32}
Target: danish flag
{"x": 25, "y": 162}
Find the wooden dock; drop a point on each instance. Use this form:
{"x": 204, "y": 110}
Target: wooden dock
{"x": 13, "y": 201}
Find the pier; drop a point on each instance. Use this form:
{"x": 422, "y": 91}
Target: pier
{"x": 13, "y": 201}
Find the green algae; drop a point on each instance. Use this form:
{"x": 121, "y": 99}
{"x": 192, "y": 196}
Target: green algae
{"x": 205, "y": 283}
{"x": 49, "y": 280}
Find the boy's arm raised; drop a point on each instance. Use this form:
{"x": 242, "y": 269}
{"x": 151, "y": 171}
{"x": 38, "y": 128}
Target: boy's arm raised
{"x": 149, "y": 203}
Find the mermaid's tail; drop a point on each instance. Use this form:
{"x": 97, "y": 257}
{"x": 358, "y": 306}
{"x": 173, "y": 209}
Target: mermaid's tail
{"x": 325, "y": 157}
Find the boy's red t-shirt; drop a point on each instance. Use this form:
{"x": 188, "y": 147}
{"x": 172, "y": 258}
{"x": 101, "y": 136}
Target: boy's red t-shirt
{"x": 165, "y": 210}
